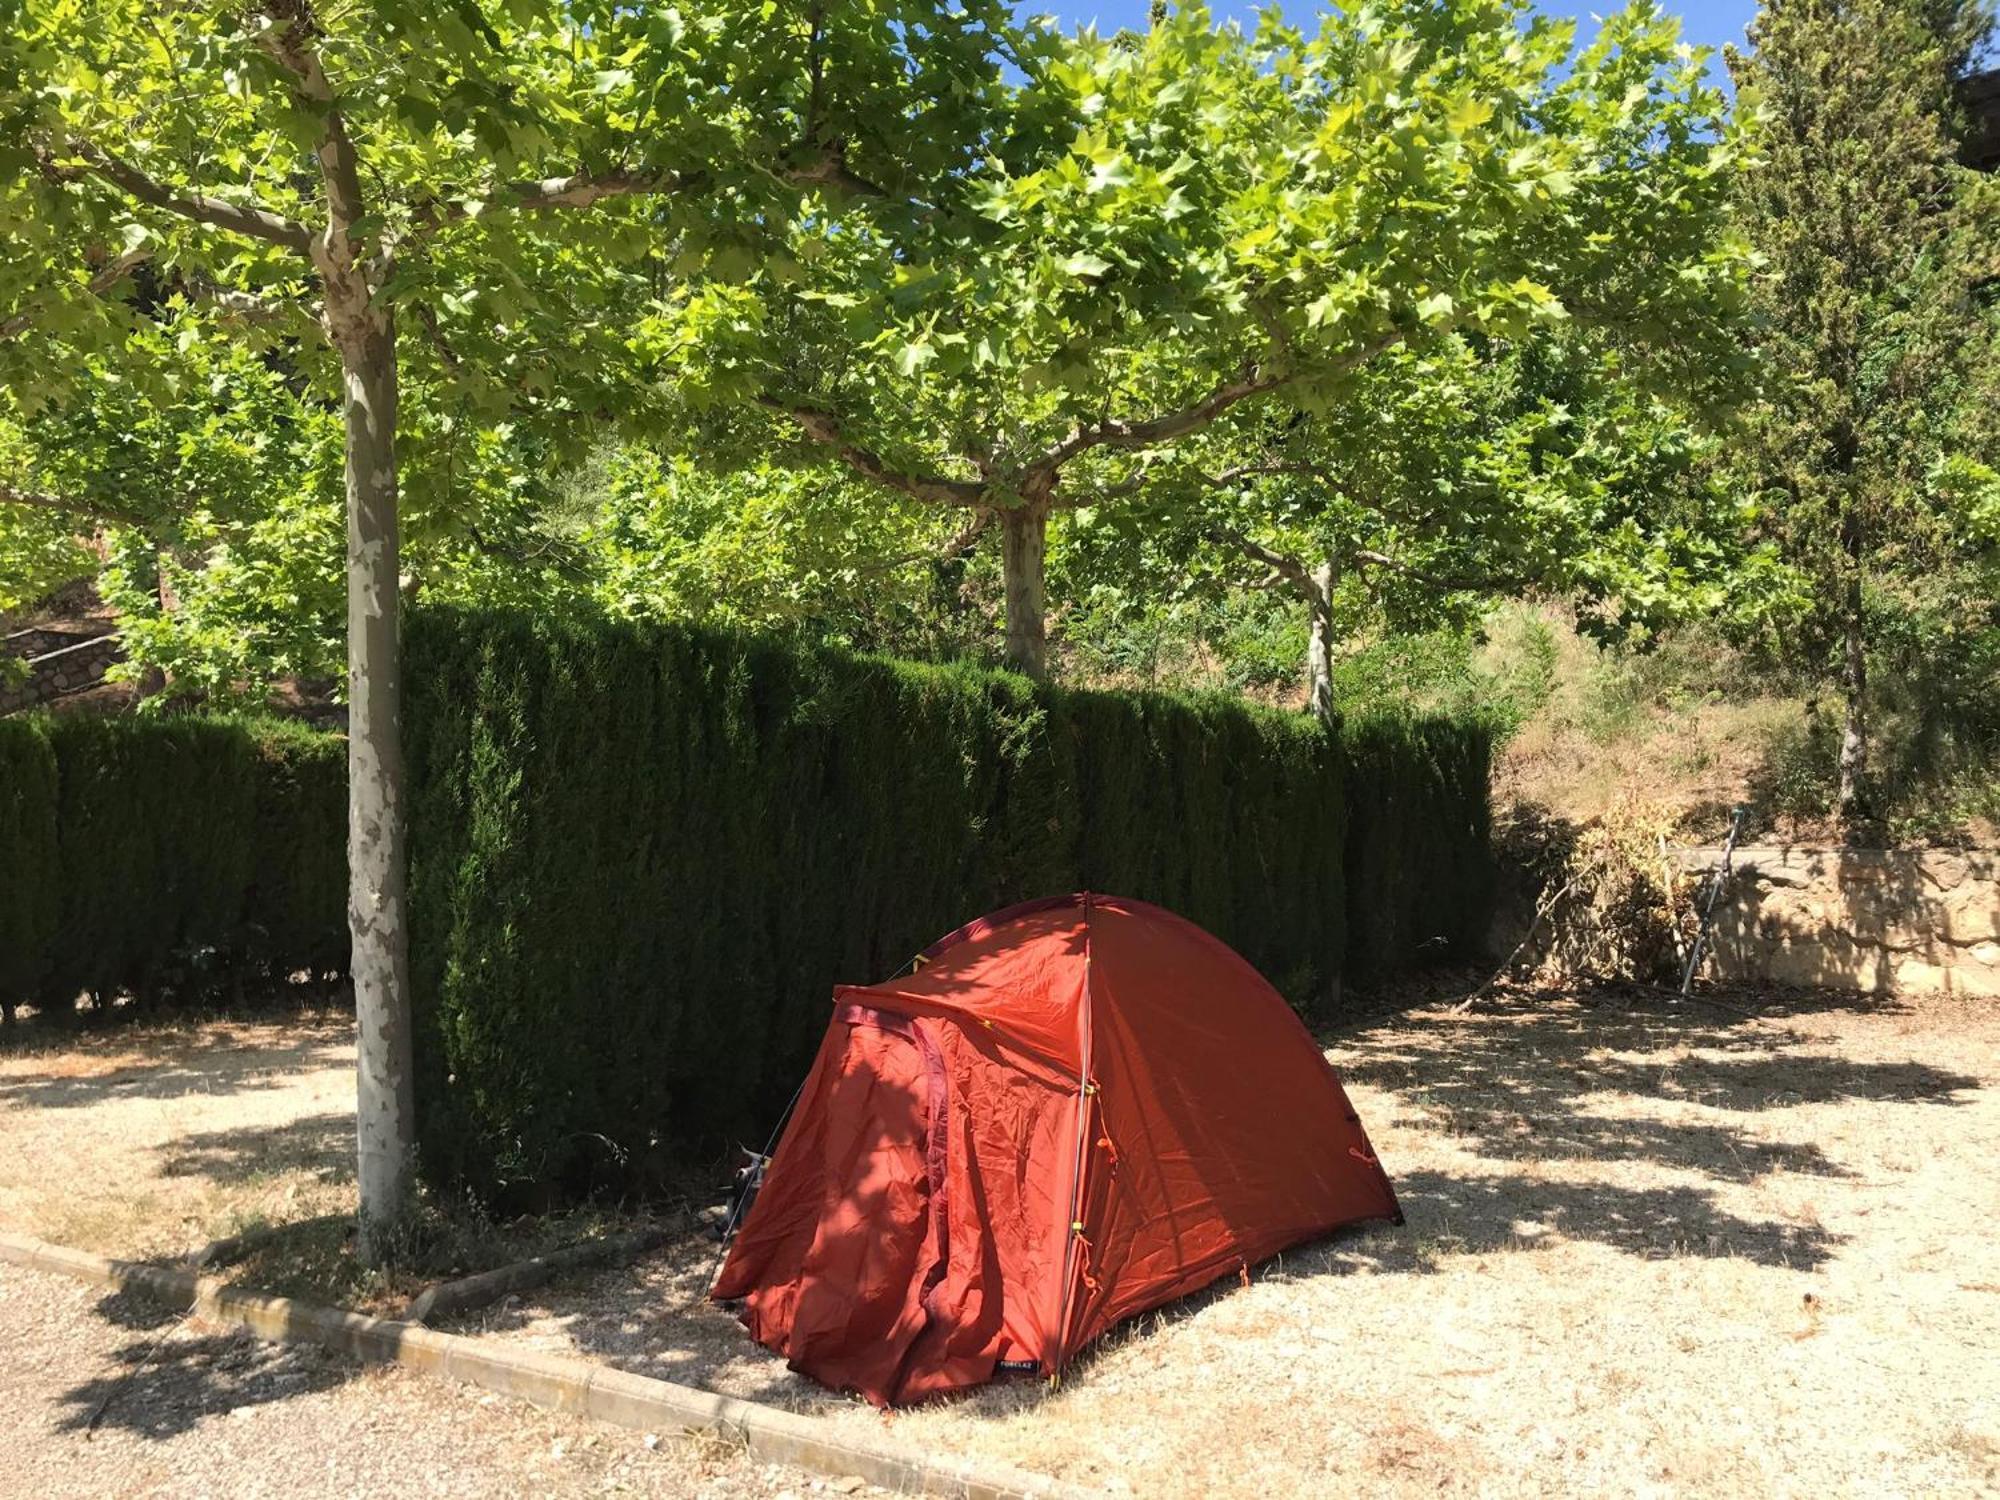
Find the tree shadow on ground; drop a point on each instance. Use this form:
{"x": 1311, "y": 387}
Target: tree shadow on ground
{"x": 320, "y": 1144}
{"x": 654, "y": 1318}
{"x": 1611, "y": 1079}
{"x": 126, "y": 1020}
{"x": 1517, "y": 1091}
{"x": 1552, "y": 1078}
{"x": 190, "y": 1065}
{"x": 173, "y": 1377}
{"x": 1568, "y": 1079}
{"x": 1467, "y": 1214}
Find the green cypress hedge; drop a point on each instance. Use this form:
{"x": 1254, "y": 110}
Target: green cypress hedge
{"x": 28, "y": 896}
{"x": 1419, "y": 879}
{"x": 295, "y": 908}
{"x": 140, "y": 854}
{"x": 643, "y": 855}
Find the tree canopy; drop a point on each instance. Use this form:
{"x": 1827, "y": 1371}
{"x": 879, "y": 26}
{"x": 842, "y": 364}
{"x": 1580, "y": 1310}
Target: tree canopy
{"x": 1193, "y": 220}
{"x": 324, "y": 173}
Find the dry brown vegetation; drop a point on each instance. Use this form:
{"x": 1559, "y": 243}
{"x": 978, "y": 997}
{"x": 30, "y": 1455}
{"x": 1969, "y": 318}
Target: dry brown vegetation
{"x": 1680, "y": 734}
{"x": 1648, "y": 1249}
{"x": 1685, "y": 734}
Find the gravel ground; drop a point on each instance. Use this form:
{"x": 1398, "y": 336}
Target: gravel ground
{"x": 183, "y": 1408}
{"x": 168, "y": 1136}
{"x": 1648, "y": 1251}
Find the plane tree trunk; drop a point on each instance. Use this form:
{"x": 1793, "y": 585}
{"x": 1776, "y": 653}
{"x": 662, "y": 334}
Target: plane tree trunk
{"x": 1318, "y": 590}
{"x": 1024, "y": 535}
{"x": 1854, "y": 686}
{"x": 377, "y": 863}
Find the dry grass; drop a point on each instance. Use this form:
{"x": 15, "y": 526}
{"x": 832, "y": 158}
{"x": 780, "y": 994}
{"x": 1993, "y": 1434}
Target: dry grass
{"x": 1692, "y": 764}
{"x": 151, "y": 1139}
{"x": 1615, "y": 731}
{"x": 1687, "y": 732}
{"x": 1648, "y": 1251}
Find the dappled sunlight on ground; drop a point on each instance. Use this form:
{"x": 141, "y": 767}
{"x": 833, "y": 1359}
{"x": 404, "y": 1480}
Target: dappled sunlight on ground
{"x": 1646, "y": 1247}
{"x": 150, "y": 1140}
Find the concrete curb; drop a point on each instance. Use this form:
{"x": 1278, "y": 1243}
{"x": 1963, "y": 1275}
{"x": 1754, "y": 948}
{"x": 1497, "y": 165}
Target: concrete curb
{"x": 568, "y": 1385}
{"x": 450, "y": 1299}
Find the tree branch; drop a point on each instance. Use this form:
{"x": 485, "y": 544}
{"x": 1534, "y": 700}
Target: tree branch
{"x": 962, "y": 541}
{"x": 1164, "y": 428}
{"x": 1118, "y": 491}
{"x": 1271, "y": 466}
{"x": 966, "y": 538}
{"x": 823, "y": 428}
{"x": 427, "y": 315}
{"x": 291, "y": 39}
{"x": 17, "y": 323}
{"x": 92, "y": 510}
{"x": 577, "y": 190}
{"x": 829, "y": 169}
{"x": 1283, "y": 564}
{"x": 582, "y": 189}
{"x": 248, "y": 307}
{"x": 257, "y": 223}
{"x": 1249, "y": 381}
{"x": 551, "y": 553}
{"x": 1448, "y": 583}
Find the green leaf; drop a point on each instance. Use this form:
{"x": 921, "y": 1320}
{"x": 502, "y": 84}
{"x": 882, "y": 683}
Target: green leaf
{"x": 1084, "y": 265}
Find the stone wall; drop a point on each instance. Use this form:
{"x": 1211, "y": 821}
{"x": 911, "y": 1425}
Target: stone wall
{"x": 1907, "y": 922}
{"x": 59, "y": 663}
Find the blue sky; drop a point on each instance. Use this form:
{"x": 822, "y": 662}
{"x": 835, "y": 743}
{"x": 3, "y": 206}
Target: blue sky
{"x": 1707, "y": 23}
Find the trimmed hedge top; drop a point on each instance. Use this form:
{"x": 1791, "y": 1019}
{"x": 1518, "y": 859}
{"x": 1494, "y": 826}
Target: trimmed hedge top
{"x": 642, "y": 855}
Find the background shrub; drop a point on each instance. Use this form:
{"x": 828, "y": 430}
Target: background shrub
{"x": 642, "y": 855}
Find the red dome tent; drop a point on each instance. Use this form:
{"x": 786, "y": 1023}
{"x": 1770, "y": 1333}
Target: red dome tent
{"x": 1073, "y": 1110}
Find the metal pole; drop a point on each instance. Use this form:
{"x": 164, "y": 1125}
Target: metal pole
{"x": 1718, "y": 878}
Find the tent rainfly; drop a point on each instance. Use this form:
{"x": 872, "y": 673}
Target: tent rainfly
{"x": 1069, "y": 1112}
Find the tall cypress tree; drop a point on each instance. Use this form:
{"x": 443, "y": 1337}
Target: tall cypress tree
{"x": 1868, "y": 323}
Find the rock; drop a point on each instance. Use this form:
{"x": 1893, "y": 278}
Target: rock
{"x": 1895, "y": 921}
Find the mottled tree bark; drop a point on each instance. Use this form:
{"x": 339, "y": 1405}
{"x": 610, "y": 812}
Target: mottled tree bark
{"x": 376, "y": 859}
{"x": 1319, "y": 641}
{"x": 1024, "y": 535}
{"x": 1854, "y": 684}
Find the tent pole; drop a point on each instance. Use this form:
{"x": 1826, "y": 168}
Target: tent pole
{"x": 1073, "y": 1224}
